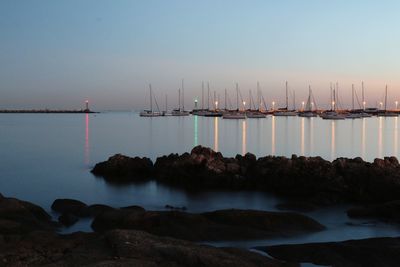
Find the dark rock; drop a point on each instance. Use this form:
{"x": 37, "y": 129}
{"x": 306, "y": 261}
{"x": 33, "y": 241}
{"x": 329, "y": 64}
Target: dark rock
{"x": 218, "y": 225}
{"x": 175, "y": 208}
{"x": 313, "y": 179}
{"x": 134, "y": 208}
{"x": 21, "y": 217}
{"x": 70, "y": 206}
{"x": 122, "y": 248}
{"x": 67, "y": 219}
{"x": 389, "y": 211}
{"x": 119, "y": 168}
{"x": 97, "y": 209}
{"x": 364, "y": 252}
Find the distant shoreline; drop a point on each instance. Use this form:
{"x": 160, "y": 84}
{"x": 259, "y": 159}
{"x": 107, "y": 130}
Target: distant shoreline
{"x": 45, "y": 111}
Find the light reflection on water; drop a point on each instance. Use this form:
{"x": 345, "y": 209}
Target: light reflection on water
{"x": 49, "y": 156}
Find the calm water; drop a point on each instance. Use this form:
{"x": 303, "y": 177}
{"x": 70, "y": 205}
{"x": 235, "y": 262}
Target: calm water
{"x": 49, "y": 156}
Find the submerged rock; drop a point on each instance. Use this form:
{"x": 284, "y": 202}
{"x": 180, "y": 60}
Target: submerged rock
{"x": 365, "y": 252}
{"x": 217, "y": 225}
{"x": 70, "y": 206}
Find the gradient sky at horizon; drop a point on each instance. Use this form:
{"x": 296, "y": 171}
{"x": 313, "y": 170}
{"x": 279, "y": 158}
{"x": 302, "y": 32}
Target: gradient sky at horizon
{"x": 55, "y": 54}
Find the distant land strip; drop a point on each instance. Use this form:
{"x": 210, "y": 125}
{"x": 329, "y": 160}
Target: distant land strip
{"x": 44, "y": 111}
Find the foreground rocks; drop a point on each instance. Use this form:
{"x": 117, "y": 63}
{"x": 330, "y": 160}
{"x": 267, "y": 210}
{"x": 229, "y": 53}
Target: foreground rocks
{"x": 209, "y": 226}
{"x": 121, "y": 248}
{"x": 312, "y": 178}
{"x": 28, "y": 238}
{"x": 19, "y": 217}
{"x": 372, "y": 252}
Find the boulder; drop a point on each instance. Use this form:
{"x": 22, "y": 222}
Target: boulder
{"x": 120, "y": 168}
{"x": 365, "y": 252}
{"x": 218, "y": 225}
{"x": 389, "y": 211}
{"x": 67, "y": 219}
{"x": 20, "y": 217}
{"x": 70, "y": 206}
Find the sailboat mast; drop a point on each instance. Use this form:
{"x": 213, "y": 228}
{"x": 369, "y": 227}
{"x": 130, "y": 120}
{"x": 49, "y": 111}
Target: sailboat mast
{"x": 166, "y": 103}
{"x": 250, "y": 96}
{"x": 179, "y": 99}
{"x": 294, "y": 100}
{"x": 337, "y": 95}
{"x": 215, "y": 100}
{"x": 386, "y": 90}
{"x": 202, "y": 95}
{"x": 287, "y": 99}
{"x": 225, "y": 99}
{"x": 183, "y": 97}
{"x": 151, "y": 99}
{"x": 363, "y": 99}
{"x": 352, "y": 96}
{"x": 258, "y": 96}
{"x": 237, "y": 96}
{"x": 208, "y": 96}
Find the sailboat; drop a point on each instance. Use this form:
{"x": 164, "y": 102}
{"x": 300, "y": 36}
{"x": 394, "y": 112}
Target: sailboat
{"x": 166, "y": 113}
{"x": 333, "y": 114}
{"x": 236, "y": 114}
{"x": 308, "y": 112}
{"x": 215, "y": 112}
{"x": 256, "y": 113}
{"x": 385, "y": 112}
{"x": 150, "y": 112}
{"x": 354, "y": 113}
{"x": 285, "y": 111}
{"x": 179, "y": 111}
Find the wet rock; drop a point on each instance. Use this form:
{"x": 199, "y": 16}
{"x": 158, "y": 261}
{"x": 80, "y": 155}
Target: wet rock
{"x": 389, "y": 211}
{"x": 122, "y": 248}
{"x": 169, "y": 207}
{"x": 218, "y": 225}
{"x": 70, "y": 206}
{"x": 311, "y": 178}
{"x": 21, "y": 217}
{"x": 134, "y": 208}
{"x": 119, "y": 168}
{"x": 364, "y": 252}
{"x": 97, "y": 209}
{"x": 68, "y": 219}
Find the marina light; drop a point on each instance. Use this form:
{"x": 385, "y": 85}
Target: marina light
{"x": 244, "y": 103}
{"x": 302, "y": 105}
{"x": 273, "y": 105}
{"x": 216, "y": 104}
{"x": 381, "y": 104}
{"x": 397, "y": 103}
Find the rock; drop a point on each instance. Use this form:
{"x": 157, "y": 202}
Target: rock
{"x": 122, "y": 248}
{"x": 97, "y": 209}
{"x": 389, "y": 211}
{"x": 311, "y": 179}
{"x": 119, "y": 168}
{"x": 68, "y": 219}
{"x": 218, "y": 225}
{"x": 134, "y": 208}
{"x": 19, "y": 217}
{"x": 175, "y": 208}
{"x": 365, "y": 252}
{"x": 70, "y": 206}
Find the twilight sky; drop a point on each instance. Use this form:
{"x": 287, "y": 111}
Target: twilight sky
{"x": 56, "y": 53}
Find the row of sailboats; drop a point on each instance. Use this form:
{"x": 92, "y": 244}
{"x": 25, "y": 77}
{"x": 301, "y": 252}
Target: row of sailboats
{"x": 255, "y": 110}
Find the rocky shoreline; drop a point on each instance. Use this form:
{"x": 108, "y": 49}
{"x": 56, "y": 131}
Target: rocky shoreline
{"x": 133, "y": 236}
{"x": 313, "y": 180}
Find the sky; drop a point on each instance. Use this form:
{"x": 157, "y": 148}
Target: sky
{"x": 56, "y": 54}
